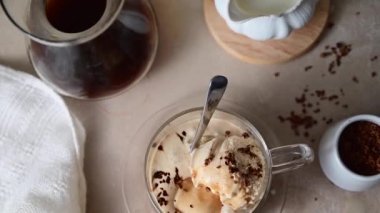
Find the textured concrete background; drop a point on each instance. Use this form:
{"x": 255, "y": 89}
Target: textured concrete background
{"x": 188, "y": 57}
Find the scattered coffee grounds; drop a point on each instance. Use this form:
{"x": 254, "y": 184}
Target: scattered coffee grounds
{"x": 341, "y": 91}
{"x": 331, "y": 68}
{"x": 311, "y": 103}
{"x": 315, "y": 199}
{"x": 245, "y": 135}
{"x": 374, "y": 58}
{"x": 248, "y": 174}
{"x": 227, "y": 133}
{"x": 357, "y": 13}
{"x": 373, "y": 74}
{"x": 355, "y": 79}
{"x": 161, "y": 177}
{"x": 329, "y": 121}
{"x": 307, "y": 68}
{"x": 339, "y": 51}
{"x": 247, "y": 151}
{"x": 276, "y": 74}
{"x": 231, "y": 163}
{"x": 209, "y": 159}
{"x": 359, "y": 148}
{"x": 332, "y": 97}
{"x": 298, "y": 121}
{"x": 306, "y": 134}
{"x": 301, "y": 99}
{"x": 178, "y": 180}
{"x": 161, "y": 148}
{"x": 330, "y": 25}
{"x": 326, "y": 54}
{"x": 162, "y": 201}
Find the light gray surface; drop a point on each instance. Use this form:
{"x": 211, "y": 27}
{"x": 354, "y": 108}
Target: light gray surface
{"x": 188, "y": 57}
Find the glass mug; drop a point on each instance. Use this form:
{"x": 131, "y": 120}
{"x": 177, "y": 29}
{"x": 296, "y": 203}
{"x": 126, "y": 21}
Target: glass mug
{"x": 87, "y": 49}
{"x": 278, "y": 160}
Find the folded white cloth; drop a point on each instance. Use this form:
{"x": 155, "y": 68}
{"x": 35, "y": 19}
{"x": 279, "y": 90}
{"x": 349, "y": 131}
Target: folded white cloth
{"x": 41, "y": 149}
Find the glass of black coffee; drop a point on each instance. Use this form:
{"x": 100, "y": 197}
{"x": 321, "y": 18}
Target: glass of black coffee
{"x": 87, "y": 49}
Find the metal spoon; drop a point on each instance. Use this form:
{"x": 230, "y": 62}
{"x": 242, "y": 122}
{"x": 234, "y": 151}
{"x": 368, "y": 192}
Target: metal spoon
{"x": 218, "y": 85}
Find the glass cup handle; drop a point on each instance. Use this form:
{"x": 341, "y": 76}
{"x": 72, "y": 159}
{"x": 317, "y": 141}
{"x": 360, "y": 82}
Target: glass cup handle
{"x": 291, "y": 157}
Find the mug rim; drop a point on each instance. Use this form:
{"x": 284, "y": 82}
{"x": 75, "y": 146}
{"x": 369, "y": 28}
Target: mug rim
{"x": 246, "y": 122}
{"x": 338, "y": 132}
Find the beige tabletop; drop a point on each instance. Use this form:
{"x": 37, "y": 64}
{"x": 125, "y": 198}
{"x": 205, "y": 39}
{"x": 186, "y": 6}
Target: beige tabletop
{"x": 188, "y": 57}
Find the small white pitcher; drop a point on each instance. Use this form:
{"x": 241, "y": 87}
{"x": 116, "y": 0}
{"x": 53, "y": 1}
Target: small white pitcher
{"x": 266, "y": 19}
{"x": 331, "y": 163}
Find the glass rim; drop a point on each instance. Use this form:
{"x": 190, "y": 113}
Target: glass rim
{"x": 150, "y": 62}
{"x": 82, "y": 37}
{"x": 246, "y": 122}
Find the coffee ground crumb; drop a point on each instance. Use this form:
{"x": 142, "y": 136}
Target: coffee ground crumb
{"x": 178, "y": 180}
{"x": 329, "y": 121}
{"x": 330, "y": 25}
{"x": 355, "y": 79}
{"x": 307, "y": 68}
{"x": 209, "y": 159}
{"x": 245, "y": 135}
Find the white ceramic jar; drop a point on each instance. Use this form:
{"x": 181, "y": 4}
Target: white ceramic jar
{"x": 333, "y": 166}
{"x": 266, "y": 19}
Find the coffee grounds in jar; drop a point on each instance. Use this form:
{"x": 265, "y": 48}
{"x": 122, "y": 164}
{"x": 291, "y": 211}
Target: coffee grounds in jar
{"x": 359, "y": 148}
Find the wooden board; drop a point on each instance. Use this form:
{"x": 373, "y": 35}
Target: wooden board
{"x": 271, "y": 51}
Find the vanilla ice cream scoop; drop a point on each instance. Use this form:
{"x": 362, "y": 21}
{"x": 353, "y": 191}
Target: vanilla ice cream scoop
{"x": 190, "y": 199}
{"x": 232, "y": 168}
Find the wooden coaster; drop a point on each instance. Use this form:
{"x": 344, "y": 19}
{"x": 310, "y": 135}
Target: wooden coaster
{"x": 271, "y": 51}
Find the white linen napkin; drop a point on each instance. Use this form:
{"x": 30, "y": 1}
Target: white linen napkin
{"x": 41, "y": 149}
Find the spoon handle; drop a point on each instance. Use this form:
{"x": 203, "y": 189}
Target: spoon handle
{"x": 216, "y": 90}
